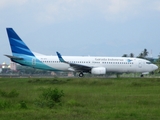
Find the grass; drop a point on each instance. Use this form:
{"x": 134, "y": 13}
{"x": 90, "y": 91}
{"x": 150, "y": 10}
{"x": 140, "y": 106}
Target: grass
{"x": 84, "y": 98}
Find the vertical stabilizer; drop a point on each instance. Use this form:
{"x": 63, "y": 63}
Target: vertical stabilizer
{"x": 17, "y": 45}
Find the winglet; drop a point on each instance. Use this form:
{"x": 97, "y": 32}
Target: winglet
{"x": 60, "y": 57}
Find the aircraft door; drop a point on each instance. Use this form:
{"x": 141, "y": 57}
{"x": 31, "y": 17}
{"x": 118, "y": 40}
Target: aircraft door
{"x": 140, "y": 64}
{"x": 33, "y": 62}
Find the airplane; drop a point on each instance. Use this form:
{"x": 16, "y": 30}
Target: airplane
{"x": 96, "y": 65}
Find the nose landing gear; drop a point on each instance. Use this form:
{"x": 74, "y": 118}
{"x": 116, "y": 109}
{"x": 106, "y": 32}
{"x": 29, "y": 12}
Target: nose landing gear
{"x": 142, "y": 75}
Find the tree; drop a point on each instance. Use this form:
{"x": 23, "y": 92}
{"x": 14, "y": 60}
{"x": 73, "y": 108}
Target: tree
{"x": 145, "y": 53}
{"x": 157, "y": 62}
{"x": 131, "y": 55}
{"x": 140, "y": 55}
{"x": 125, "y": 55}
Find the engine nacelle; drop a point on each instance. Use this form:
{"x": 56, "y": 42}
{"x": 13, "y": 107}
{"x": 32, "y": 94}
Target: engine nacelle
{"x": 98, "y": 71}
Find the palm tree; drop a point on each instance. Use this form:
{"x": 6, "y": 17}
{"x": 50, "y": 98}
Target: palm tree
{"x": 131, "y": 55}
{"x": 140, "y": 55}
{"x": 145, "y": 53}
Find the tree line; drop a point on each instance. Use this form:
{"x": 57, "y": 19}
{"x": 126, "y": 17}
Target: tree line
{"x": 143, "y": 54}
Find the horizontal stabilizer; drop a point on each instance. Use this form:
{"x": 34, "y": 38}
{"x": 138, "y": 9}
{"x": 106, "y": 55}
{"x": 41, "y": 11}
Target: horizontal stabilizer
{"x": 13, "y": 57}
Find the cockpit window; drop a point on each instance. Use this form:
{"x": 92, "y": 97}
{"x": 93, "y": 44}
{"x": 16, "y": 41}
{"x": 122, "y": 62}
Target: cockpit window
{"x": 148, "y": 63}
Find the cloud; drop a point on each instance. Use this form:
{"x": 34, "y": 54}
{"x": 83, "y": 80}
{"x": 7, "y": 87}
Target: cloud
{"x": 156, "y": 5}
{"x": 69, "y": 10}
{"x": 7, "y": 3}
{"x": 75, "y": 9}
{"x": 62, "y": 10}
{"x": 117, "y": 6}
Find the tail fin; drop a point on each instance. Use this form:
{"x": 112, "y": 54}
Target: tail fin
{"x": 16, "y": 43}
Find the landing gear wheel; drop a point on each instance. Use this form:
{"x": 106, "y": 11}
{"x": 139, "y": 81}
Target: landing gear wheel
{"x": 142, "y": 75}
{"x": 81, "y": 74}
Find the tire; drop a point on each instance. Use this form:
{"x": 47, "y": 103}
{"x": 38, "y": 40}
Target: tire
{"x": 81, "y": 74}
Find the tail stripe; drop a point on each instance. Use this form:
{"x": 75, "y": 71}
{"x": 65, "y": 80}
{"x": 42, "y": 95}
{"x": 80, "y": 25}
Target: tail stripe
{"x": 15, "y": 42}
{"x": 16, "y": 49}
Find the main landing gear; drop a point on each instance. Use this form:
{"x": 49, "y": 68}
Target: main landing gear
{"x": 81, "y": 74}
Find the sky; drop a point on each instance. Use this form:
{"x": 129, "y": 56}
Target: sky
{"x": 82, "y": 27}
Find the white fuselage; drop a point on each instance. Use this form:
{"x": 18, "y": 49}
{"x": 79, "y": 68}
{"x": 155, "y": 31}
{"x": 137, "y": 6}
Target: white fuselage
{"x": 112, "y": 64}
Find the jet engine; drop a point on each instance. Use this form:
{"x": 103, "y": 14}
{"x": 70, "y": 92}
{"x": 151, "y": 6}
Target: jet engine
{"x": 98, "y": 71}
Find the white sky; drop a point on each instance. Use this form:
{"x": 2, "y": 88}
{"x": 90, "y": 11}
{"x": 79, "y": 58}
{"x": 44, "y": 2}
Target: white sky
{"x": 82, "y": 27}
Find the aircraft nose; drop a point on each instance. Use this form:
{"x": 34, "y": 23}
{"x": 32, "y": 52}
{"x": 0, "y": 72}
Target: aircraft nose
{"x": 155, "y": 67}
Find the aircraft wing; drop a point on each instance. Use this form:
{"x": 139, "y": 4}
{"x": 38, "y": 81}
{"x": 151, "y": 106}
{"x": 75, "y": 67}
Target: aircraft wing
{"x": 80, "y": 68}
{"x": 76, "y": 67}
